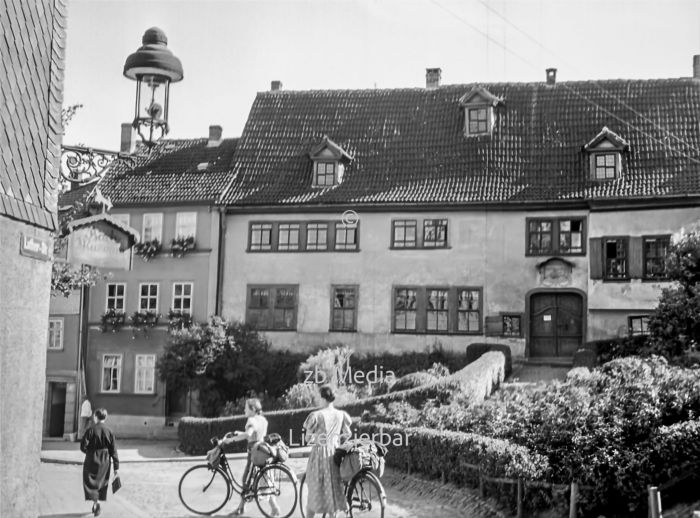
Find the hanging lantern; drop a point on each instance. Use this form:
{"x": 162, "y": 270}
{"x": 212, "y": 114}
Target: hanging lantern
{"x": 153, "y": 67}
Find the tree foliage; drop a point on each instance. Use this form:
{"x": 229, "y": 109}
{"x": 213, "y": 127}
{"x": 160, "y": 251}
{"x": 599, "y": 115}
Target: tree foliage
{"x": 674, "y": 326}
{"x": 223, "y": 360}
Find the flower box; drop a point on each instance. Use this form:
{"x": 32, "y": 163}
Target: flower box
{"x": 148, "y": 249}
{"x": 179, "y": 320}
{"x": 112, "y": 320}
{"x": 181, "y": 245}
{"x": 144, "y": 319}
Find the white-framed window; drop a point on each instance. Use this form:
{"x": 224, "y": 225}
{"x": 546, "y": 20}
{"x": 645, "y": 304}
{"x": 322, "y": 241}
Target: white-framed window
{"x": 324, "y": 174}
{"x": 182, "y": 297}
{"x": 55, "y": 333}
{"x": 606, "y": 166}
{"x": 145, "y": 369}
{"x": 478, "y": 120}
{"x": 116, "y": 296}
{"x": 111, "y": 372}
{"x": 122, "y": 218}
{"x": 148, "y": 296}
{"x": 186, "y": 224}
{"x": 152, "y": 226}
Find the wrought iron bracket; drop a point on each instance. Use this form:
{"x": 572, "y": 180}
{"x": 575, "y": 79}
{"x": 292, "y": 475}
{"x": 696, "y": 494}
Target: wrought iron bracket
{"x": 83, "y": 164}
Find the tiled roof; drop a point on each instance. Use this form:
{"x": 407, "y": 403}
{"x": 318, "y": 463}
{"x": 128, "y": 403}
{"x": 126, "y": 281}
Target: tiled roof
{"x": 408, "y": 144}
{"x": 77, "y": 194}
{"x": 31, "y": 92}
{"x": 175, "y": 171}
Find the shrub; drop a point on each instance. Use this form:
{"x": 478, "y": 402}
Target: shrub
{"x": 474, "y": 351}
{"x": 478, "y": 379}
{"x": 224, "y": 361}
{"x": 329, "y": 365}
{"x": 436, "y": 453}
{"x": 413, "y": 380}
{"x": 237, "y": 407}
{"x": 599, "y": 428}
{"x": 302, "y": 395}
{"x": 194, "y": 432}
{"x": 408, "y": 362}
{"x": 438, "y": 370}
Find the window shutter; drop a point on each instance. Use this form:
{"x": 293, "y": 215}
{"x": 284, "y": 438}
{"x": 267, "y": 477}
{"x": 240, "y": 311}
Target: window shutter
{"x": 636, "y": 257}
{"x": 494, "y": 326}
{"x": 595, "y": 257}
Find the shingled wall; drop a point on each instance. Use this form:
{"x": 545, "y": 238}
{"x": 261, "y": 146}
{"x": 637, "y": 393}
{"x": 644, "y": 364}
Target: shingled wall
{"x": 31, "y": 83}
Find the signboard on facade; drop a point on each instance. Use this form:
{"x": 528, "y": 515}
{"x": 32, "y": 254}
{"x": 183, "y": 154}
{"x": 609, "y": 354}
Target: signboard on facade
{"x": 36, "y": 247}
{"x": 89, "y": 245}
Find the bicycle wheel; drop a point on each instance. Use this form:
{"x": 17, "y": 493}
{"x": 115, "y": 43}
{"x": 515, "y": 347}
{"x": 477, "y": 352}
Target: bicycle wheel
{"x": 204, "y": 490}
{"x": 366, "y": 496}
{"x": 276, "y": 491}
{"x": 302, "y": 492}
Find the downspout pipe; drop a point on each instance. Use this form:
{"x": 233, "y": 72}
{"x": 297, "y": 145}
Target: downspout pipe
{"x": 220, "y": 261}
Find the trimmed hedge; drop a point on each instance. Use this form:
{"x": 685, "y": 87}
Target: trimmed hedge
{"x": 194, "y": 432}
{"x": 406, "y": 363}
{"x": 477, "y": 381}
{"x": 474, "y": 352}
{"x": 438, "y": 453}
{"x": 479, "y": 378}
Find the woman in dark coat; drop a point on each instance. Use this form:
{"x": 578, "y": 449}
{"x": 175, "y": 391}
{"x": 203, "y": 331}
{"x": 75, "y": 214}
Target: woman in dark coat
{"x": 99, "y": 446}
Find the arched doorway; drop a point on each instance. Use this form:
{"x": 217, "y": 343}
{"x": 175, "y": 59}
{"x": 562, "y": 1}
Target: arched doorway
{"x": 556, "y": 323}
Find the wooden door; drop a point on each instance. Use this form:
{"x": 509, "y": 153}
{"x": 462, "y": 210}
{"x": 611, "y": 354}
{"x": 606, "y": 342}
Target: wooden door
{"x": 556, "y": 324}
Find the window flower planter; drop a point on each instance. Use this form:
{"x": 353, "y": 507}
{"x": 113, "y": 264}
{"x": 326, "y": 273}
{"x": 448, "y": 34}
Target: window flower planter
{"x": 112, "y": 320}
{"x": 148, "y": 249}
{"x": 179, "y": 320}
{"x": 144, "y": 320}
{"x": 181, "y": 245}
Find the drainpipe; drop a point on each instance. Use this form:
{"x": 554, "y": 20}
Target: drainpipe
{"x": 220, "y": 261}
{"x": 82, "y": 349}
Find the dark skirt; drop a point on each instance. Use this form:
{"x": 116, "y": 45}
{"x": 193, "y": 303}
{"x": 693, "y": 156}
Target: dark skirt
{"x": 96, "y": 470}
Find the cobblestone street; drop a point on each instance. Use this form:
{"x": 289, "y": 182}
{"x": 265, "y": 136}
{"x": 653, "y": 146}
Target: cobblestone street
{"x": 150, "y": 490}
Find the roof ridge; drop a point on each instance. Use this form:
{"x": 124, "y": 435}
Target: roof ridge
{"x": 690, "y": 80}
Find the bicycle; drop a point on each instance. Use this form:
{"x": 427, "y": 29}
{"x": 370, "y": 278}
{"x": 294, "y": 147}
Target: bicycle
{"x": 364, "y": 493}
{"x": 206, "y": 488}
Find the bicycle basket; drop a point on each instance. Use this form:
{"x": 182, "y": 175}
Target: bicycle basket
{"x": 354, "y": 462}
{"x": 214, "y": 456}
{"x": 261, "y": 453}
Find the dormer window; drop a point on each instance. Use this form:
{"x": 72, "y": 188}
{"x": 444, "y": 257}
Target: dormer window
{"x": 479, "y": 113}
{"x": 329, "y": 160}
{"x": 324, "y": 174}
{"x": 605, "y": 155}
{"x": 478, "y": 120}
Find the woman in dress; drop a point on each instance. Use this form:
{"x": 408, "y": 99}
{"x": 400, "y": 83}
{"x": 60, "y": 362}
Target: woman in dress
{"x": 325, "y": 430}
{"x": 100, "y": 449}
{"x": 255, "y": 430}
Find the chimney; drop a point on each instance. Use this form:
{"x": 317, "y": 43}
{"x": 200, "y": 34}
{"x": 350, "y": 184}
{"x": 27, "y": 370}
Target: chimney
{"x": 696, "y": 66}
{"x": 275, "y": 86}
{"x": 551, "y": 76}
{"x": 128, "y": 141}
{"x": 214, "y": 136}
{"x": 432, "y": 77}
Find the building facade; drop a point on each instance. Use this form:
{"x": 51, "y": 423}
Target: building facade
{"x": 531, "y": 214}
{"x": 30, "y": 116}
{"x": 168, "y": 196}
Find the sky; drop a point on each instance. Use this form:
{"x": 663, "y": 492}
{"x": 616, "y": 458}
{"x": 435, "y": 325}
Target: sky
{"x": 232, "y": 49}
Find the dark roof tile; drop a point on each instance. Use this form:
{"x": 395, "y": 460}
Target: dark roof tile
{"x": 170, "y": 173}
{"x": 408, "y": 144}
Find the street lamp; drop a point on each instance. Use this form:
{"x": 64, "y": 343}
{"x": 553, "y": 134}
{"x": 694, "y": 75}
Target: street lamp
{"x": 153, "y": 67}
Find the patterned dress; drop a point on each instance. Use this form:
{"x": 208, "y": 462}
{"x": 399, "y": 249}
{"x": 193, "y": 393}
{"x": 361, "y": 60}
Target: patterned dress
{"x": 325, "y": 488}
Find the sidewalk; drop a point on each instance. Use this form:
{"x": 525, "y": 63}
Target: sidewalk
{"x": 137, "y": 450}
